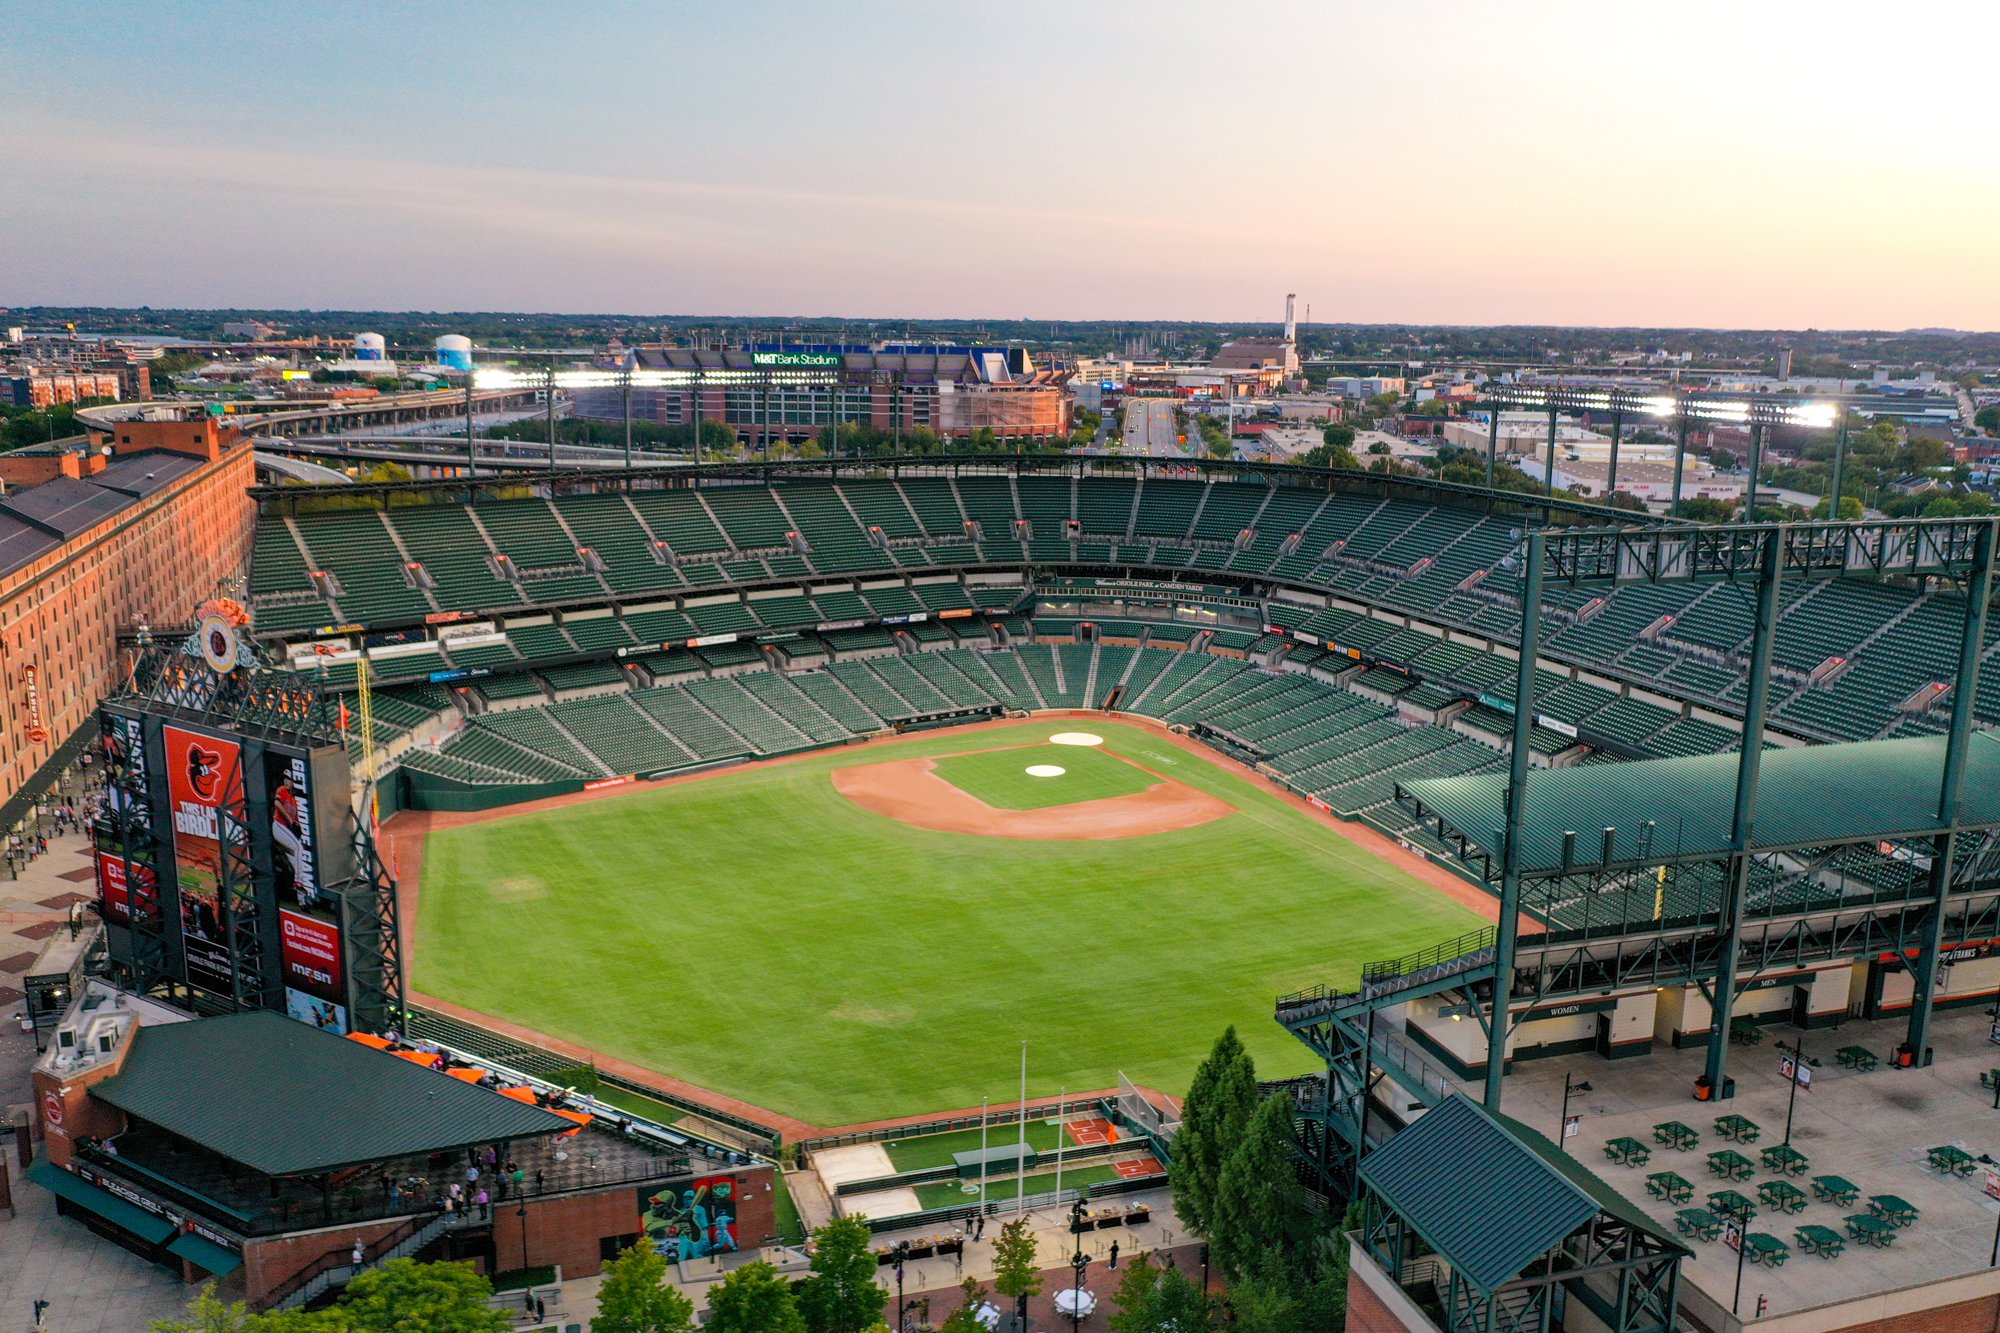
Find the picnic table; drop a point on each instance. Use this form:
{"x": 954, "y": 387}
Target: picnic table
{"x": 1731, "y": 1165}
{"x": 1957, "y": 1161}
{"x": 1858, "y": 1058}
{"x": 1741, "y": 1128}
{"x": 1745, "y": 1032}
{"x": 1728, "y": 1203}
{"x": 1666, "y": 1185}
{"x": 1768, "y": 1250}
{"x": 1627, "y": 1152}
{"x": 1990, "y": 1079}
{"x": 1835, "y": 1189}
{"x": 1822, "y": 1241}
{"x": 1700, "y": 1223}
{"x": 1785, "y": 1160}
{"x": 1673, "y": 1134}
{"x": 1896, "y": 1211}
{"x": 1870, "y": 1230}
{"x": 1782, "y": 1195}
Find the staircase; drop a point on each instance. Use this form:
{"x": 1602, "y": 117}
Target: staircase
{"x": 337, "y": 1269}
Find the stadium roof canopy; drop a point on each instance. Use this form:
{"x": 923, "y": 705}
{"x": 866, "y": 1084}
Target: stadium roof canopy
{"x": 285, "y": 1099}
{"x": 1806, "y": 797}
{"x": 1490, "y": 1194}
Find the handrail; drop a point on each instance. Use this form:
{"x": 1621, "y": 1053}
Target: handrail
{"x": 336, "y": 1258}
{"x": 1447, "y": 951}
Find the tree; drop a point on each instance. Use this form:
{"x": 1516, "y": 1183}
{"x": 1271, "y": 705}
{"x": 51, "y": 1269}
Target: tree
{"x": 965, "y": 1319}
{"x": 842, "y": 1296}
{"x": 1014, "y": 1274}
{"x": 753, "y": 1299}
{"x": 206, "y": 1313}
{"x": 635, "y": 1297}
{"x": 1850, "y": 507}
{"x": 404, "y": 1296}
{"x": 1338, "y": 436}
{"x": 1722, "y": 460}
{"x": 1702, "y": 509}
{"x": 1219, "y": 1104}
{"x": 1260, "y": 1222}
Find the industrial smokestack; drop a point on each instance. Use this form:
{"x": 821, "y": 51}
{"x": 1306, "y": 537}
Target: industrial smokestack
{"x": 1291, "y": 326}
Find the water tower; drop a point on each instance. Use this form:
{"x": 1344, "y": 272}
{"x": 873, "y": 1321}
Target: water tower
{"x": 370, "y": 347}
{"x": 454, "y": 352}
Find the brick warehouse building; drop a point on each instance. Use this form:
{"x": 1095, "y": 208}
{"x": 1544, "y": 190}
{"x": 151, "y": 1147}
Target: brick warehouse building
{"x": 260, "y": 1151}
{"x": 91, "y": 541}
{"x": 791, "y": 393}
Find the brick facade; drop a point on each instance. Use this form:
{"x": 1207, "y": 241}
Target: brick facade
{"x": 155, "y": 559}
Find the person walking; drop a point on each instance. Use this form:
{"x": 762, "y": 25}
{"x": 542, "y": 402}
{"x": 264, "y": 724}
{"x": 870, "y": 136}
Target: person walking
{"x": 483, "y": 1204}
{"x": 360, "y": 1255}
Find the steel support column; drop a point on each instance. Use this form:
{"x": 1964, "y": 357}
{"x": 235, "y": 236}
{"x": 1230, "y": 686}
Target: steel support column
{"x": 1611, "y": 475}
{"x": 1549, "y": 478}
{"x": 625, "y": 387}
{"x": 552, "y": 413}
{"x": 1748, "y": 765}
{"x": 1492, "y": 444}
{"x": 1944, "y": 849}
{"x": 471, "y": 440}
{"x": 1680, "y": 463}
{"x": 1756, "y": 461}
{"x": 1839, "y": 466}
{"x": 1517, "y": 789}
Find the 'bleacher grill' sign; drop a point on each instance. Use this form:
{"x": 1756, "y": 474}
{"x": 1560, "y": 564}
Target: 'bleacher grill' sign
{"x": 37, "y": 733}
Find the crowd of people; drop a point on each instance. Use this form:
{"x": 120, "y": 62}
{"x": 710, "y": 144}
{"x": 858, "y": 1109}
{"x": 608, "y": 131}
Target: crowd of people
{"x": 67, "y": 806}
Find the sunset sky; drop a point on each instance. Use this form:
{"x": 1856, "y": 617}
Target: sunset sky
{"x": 1768, "y": 164}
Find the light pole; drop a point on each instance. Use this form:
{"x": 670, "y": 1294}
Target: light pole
{"x": 1795, "y": 1068}
{"x": 1078, "y": 1262}
{"x": 1562, "y": 1130}
{"x": 902, "y": 1252}
{"x": 521, "y": 1216}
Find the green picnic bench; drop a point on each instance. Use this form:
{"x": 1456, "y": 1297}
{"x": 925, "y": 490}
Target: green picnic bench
{"x": 1835, "y": 1189}
{"x": 1700, "y": 1223}
{"x": 1782, "y": 1195}
{"x": 1666, "y": 1185}
{"x": 1627, "y": 1152}
{"x": 1893, "y": 1209}
{"x": 1822, "y": 1241}
{"x": 1745, "y": 1032}
{"x": 1947, "y": 1159}
{"x": 1741, "y": 1128}
{"x": 1870, "y": 1230}
{"x": 1731, "y": 1205}
{"x": 1673, "y": 1134}
{"x": 1731, "y": 1165}
{"x": 1785, "y": 1160}
{"x": 1990, "y": 1079}
{"x": 1857, "y": 1058}
{"x": 1766, "y": 1249}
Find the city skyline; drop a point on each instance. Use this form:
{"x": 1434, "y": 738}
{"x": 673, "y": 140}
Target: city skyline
{"x": 1574, "y": 167}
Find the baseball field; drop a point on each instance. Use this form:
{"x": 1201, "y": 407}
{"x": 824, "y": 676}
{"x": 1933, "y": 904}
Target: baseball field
{"x": 873, "y": 931}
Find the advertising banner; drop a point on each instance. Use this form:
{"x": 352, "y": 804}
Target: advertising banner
{"x": 125, "y": 759}
{"x": 204, "y": 781}
{"x": 315, "y": 982}
{"x": 115, "y": 895}
{"x": 294, "y": 845}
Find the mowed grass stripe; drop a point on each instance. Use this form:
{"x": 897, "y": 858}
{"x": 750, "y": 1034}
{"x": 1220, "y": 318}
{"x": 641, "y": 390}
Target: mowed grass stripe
{"x": 1000, "y": 777}
{"x": 759, "y": 934}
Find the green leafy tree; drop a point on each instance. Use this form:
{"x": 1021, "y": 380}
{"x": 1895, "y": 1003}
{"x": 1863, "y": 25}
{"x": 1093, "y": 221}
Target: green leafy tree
{"x": 754, "y": 1299}
{"x": 1218, "y": 1105}
{"x": 635, "y": 1297}
{"x": 208, "y": 1313}
{"x": 964, "y": 1318}
{"x": 842, "y": 1295}
{"x": 1014, "y": 1273}
{"x": 1850, "y": 507}
{"x": 1260, "y": 1215}
{"x": 404, "y": 1296}
{"x": 1338, "y": 436}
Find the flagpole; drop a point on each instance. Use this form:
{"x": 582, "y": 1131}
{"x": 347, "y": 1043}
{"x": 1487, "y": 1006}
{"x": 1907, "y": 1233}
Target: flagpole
{"x": 982, "y": 1159}
{"x": 1060, "y": 1094}
{"x": 1021, "y": 1159}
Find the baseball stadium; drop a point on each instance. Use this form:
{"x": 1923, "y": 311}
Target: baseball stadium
{"x": 798, "y": 799}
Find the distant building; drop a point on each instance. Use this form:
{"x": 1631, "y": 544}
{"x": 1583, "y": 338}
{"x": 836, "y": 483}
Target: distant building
{"x": 249, "y": 330}
{"x": 43, "y": 388}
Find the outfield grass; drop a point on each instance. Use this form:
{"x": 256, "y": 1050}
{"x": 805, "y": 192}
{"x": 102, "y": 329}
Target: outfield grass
{"x": 930, "y": 1150}
{"x": 1000, "y": 777}
{"x": 757, "y": 933}
{"x": 952, "y": 1193}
